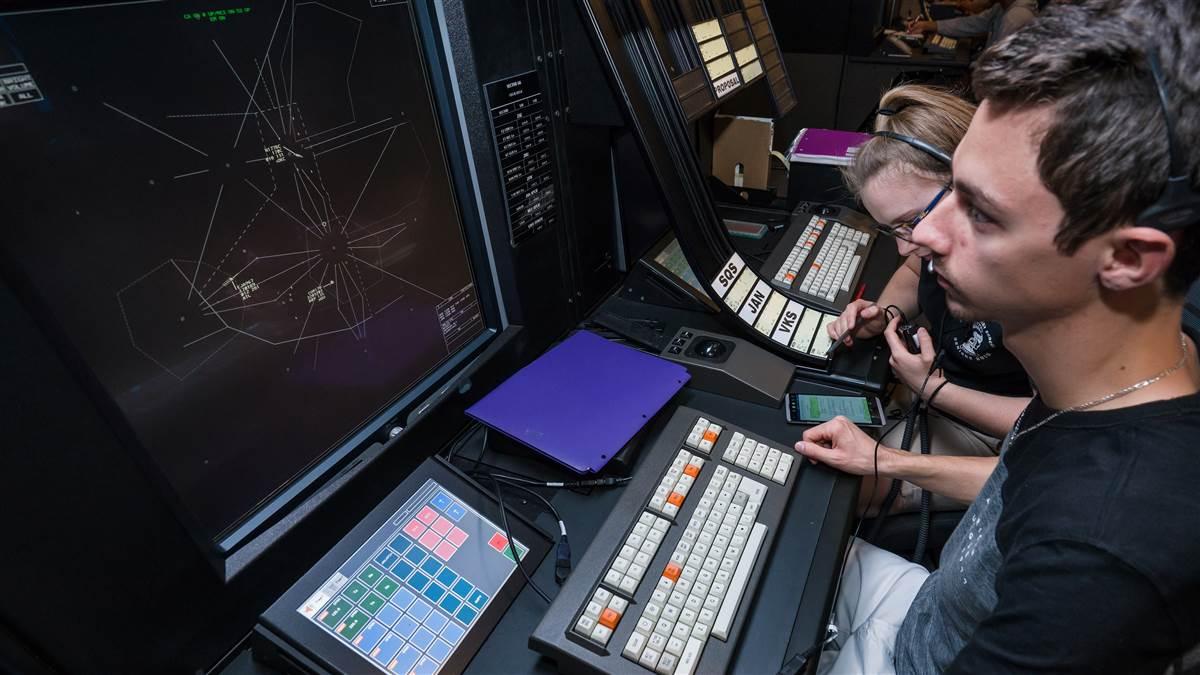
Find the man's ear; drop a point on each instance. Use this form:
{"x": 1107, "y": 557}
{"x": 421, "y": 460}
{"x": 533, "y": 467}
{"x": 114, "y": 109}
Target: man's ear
{"x": 1136, "y": 256}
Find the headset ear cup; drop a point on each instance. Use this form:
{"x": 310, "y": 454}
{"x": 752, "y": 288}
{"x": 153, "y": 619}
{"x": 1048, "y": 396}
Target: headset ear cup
{"x": 1178, "y": 208}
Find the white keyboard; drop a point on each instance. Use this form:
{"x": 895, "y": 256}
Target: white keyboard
{"x": 833, "y": 267}
{"x": 942, "y": 43}
{"x": 697, "y": 593}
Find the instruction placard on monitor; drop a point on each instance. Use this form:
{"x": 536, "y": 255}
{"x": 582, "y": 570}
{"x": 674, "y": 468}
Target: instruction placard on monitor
{"x": 522, "y": 133}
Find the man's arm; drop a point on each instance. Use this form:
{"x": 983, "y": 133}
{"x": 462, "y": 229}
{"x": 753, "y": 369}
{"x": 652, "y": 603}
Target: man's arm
{"x": 1013, "y": 19}
{"x": 968, "y": 26}
{"x": 958, "y": 478}
{"x": 1069, "y": 607}
{"x": 991, "y": 413}
{"x": 842, "y": 445}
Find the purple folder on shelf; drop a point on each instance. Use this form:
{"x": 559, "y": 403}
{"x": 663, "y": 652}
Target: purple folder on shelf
{"x": 582, "y": 401}
{"x": 826, "y": 146}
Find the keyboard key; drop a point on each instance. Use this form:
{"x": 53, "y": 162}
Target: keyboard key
{"x": 690, "y": 657}
{"x": 406, "y": 626}
{"x": 419, "y": 610}
{"x": 405, "y": 660}
{"x": 462, "y": 588}
{"x": 422, "y": 638}
{"x": 739, "y": 580}
{"x": 388, "y": 615}
{"x": 450, "y": 603}
{"x": 635, "y": 645}
{"x": 466, "y": 614}
{"x": 609, "y": 617}
{"x": 435, "y": 621}
{"x": 453, "y": 632}
{"x": 386, "y": 650}
{"x": 438, "y": 651}
{"x": 649, "y": 658}
{"x": 601, "y": 634}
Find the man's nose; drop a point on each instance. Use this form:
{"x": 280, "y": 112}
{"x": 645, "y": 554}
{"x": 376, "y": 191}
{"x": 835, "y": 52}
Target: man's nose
{"x": 933, "y": 232}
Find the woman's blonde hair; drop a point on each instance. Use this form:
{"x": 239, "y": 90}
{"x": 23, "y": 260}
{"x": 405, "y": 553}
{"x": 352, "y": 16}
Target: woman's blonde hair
{"x": 931, "y": 114}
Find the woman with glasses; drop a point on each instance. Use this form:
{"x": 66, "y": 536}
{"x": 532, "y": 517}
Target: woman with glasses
{"x": 977, "y": 387}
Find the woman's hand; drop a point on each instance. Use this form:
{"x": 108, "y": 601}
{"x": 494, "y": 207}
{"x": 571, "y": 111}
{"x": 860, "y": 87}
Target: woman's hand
{"x": 862, "y": 317}
{"x": 912, "y": 369}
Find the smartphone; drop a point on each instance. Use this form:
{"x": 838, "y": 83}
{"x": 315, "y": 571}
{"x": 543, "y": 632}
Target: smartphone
{"x": 866, "y": 411}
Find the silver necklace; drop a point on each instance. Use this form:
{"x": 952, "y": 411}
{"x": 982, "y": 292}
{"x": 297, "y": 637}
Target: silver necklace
{"x": 1018, "y": 432}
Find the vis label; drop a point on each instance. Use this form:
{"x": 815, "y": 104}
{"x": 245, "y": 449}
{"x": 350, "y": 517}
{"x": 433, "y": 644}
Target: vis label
{"x": 788, "y": 322}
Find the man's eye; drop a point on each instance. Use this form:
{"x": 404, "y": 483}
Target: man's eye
{"x": 978, "y": 216}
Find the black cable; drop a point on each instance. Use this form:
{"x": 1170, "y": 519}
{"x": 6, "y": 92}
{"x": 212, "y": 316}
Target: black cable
{"x": 797, "y": 661}
{"x": 923, "y": 531}
{"x": 459, "y": 439}
{"x": 562, "y": 553}
{"x": 512, "y": 544}
{"x": 610, "y": 481}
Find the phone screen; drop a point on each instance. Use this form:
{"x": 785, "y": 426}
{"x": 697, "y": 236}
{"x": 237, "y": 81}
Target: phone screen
{"x": 813, "y": 408}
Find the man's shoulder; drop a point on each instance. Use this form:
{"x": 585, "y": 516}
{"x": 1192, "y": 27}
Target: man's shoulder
{"x": 1125, "y": 487}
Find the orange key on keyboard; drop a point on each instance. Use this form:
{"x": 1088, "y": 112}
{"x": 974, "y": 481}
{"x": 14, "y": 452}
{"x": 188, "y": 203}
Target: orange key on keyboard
{"x": 691, "y": 470}
{"x": 672, "y": 571}
{"x": 610, "y": 618}
{"x": 675, "y": 498}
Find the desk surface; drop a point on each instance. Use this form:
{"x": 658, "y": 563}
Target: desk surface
{"x": 793, "y": 597}
{"x": 803, "y": 561}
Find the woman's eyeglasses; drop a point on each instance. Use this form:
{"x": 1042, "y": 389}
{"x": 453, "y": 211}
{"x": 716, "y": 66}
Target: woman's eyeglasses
{"x": 905, "y": 231}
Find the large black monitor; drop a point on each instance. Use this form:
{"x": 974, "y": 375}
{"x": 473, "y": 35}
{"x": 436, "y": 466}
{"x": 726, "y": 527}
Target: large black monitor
{"x": 243, "y": 222}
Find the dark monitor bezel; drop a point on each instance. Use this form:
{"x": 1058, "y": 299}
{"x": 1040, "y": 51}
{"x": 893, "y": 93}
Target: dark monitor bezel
{"x": 231, "y": 551}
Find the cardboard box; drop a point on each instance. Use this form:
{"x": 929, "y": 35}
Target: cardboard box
{"x": 742, "y": 150}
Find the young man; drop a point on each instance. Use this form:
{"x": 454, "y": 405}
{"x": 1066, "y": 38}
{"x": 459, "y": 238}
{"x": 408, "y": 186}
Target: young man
{"x": 1078, "y": 553}
{"x": 996, "y": 22}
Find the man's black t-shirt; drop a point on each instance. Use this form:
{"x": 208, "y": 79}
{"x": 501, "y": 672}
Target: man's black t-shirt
{"x": 975, "y": 356}
{"x": 1100, "y": 542}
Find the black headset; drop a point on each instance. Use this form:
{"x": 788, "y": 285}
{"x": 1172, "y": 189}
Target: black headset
{"x": 1178, "y": 206}
{"x": 928, "y": 148}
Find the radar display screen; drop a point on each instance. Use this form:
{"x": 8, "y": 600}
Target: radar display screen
{"x": 241, "y": 217}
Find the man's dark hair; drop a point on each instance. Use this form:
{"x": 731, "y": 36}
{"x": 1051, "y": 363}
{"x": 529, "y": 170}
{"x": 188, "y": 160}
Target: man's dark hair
{"x": 1104, "y": 154}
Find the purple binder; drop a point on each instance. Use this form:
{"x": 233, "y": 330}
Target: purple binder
{"x": 581, "y": 402}
{"x": 826, "y": 146}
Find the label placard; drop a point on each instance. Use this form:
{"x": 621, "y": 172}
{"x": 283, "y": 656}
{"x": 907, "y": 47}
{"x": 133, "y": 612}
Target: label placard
{"x": 746, "y": 54}
{"x": 725, "y": 278}
{"x": 755, "y": 303}
{"x": 809, "y": 325}
{"x": 727, "y": 84}
{"x": 741, "y": 288}
{"x": 769, "y": 316}
{"x": 788, "y": 323}
{"x": 707, "y": 30}
{"x": 521, "y": 130}
{"x": 719, "y": 67}
{"x": 752, "y": 70}
{"x": 712, "y": 49}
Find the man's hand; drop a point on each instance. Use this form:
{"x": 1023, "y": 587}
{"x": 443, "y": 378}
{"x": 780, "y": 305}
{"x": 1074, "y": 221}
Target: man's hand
{"x": 918, "y": 26}
{"x": 840, "y": 444}
{"x": 863, "y": 316}
{"x": 912, "y": 369}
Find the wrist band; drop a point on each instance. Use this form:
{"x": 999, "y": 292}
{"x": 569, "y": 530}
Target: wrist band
{"x": 929, "y": 401}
